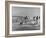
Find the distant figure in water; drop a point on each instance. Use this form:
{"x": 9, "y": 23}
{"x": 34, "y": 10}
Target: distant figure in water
{"x": 21, "y": 22}
{"x": 34, "y": 18}
{"x": 25, "y": 17}
{"x": 37, "y": 18}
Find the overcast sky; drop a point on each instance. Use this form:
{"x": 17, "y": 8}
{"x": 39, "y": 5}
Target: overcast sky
{"x": 25, "y": 11}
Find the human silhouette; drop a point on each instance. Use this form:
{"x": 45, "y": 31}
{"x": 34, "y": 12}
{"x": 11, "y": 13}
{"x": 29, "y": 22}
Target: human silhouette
{"x": 37, "y": 18}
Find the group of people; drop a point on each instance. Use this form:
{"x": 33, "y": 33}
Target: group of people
{"x": 36, "y": 18}
{"x": 27, "y": 19}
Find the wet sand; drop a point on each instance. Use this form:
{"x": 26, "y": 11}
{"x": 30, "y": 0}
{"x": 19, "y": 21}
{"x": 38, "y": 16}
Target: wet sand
{"x": 18, "y": 27}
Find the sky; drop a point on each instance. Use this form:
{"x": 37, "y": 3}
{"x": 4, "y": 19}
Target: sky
{"x": 25, "y": 11}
